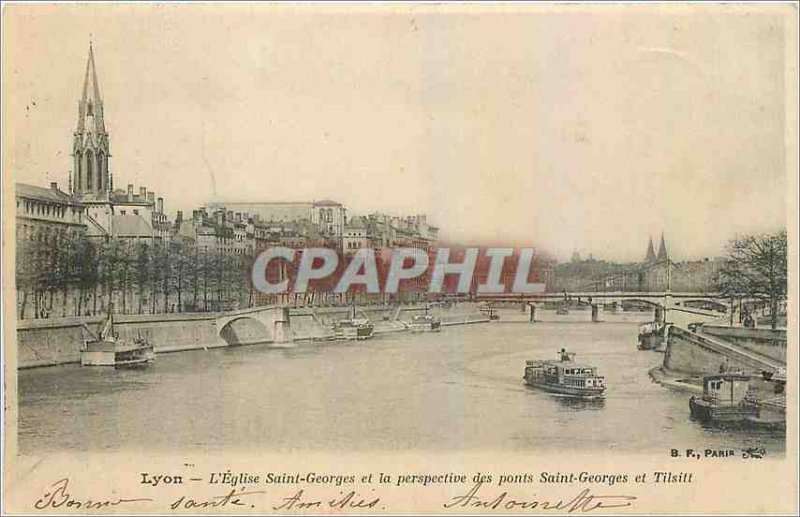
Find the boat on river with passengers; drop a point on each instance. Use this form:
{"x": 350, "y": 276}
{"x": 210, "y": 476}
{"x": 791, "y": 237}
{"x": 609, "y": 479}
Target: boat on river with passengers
{"x": 565, "y": 377}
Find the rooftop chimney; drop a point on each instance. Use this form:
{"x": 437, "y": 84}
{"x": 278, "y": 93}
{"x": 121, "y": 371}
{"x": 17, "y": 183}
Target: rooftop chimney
{"x": 130, "y": 192}
{"x": 143, "y": 193}
{"x": 151, "y": 196}
{"x": 160, "y": 205}
{"x": 54, "y": 185}
{"x": 179, "y": 217}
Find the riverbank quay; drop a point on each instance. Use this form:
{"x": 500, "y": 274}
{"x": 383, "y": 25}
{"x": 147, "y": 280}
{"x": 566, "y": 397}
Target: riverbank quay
{"x": 52, "y": 342}
{"x": 676, "y": 381}
{"x": 711, "y": 349}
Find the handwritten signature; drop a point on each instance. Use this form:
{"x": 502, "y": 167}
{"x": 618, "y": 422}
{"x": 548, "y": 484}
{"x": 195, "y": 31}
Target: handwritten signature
{"x": 584, "y": 502}
{"x": 57, "y": 495}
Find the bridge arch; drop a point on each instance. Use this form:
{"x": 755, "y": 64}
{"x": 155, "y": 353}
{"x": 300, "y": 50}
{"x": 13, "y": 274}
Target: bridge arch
{"x": 640, "y": 301}
{"x": 703, "y": 303}
{"x": 244, "y": 330}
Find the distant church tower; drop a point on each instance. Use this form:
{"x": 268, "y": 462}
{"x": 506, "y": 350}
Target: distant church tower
{"x": 90, "y": 151}
{"x": 662, "y": 249}
{"x": 651, "y": 255}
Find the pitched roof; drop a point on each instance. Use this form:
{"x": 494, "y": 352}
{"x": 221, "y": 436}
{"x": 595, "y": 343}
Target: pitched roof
{"x": 130, "y": 225}
{"x": 120, "y": 197}
{"x": 53, "y": 195}
{"x": 326, "y": 202}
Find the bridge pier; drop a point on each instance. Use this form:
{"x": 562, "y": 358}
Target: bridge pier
{"x": 597, "y": 313}
{"x": 659, "y": 317}
{"x": 281, "y": 332}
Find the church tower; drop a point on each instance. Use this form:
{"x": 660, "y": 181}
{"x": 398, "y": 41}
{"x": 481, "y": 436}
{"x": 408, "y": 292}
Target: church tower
{"x": 650, "y": 256}
{"x": 90, "y": 151}
{"x": 662, "y": 249}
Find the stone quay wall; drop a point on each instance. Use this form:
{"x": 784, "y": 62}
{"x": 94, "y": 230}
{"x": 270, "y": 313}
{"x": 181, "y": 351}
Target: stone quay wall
{"x": 700, "y": 353}
{"x": 58, "y": 341}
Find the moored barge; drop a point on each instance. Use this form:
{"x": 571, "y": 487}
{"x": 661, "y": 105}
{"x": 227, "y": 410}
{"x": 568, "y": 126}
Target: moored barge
{"x": 733, "y": 398}
{"x": 108, "y": 349}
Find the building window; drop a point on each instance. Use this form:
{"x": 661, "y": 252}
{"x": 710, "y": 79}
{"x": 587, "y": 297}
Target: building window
{"x": 78, "y": 172}
{"x": 135, "y": 212}
{"x": 122, "y": 212}
{"x": 100, "y": 169}
{"x": 89, "y": 169}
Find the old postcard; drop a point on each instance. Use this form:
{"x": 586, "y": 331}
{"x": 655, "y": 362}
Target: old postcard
{"x": 410, "y": 258}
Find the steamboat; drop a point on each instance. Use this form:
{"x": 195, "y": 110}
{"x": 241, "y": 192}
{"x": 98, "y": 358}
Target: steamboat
{"x": 565, "y": 377}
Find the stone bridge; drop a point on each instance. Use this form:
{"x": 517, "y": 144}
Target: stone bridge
{"x": 663, "y": 299}
{"x": 700, "y": 304}
{"x": 267, "y": 324}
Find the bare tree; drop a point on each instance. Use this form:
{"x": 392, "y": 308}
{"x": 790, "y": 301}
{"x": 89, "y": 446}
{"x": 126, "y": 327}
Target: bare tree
{"x": 756, "y": 268}
{"x": 87, "y": 276}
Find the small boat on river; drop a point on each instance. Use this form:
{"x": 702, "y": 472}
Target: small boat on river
{"x": 425, "y": 323}
{"x": 354, "y": 327}
{"x": 489, "y": 311}
{"x": 108, "y": 349}
{"x": 565, "y": 377}
{"x": 652, "y": 335}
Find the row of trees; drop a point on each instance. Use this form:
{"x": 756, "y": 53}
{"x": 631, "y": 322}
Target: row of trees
{"x": 756, "y": 269}
{"x": 80, "y": 277}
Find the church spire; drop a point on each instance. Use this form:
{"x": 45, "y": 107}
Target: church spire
{"x": 651, "y": 255}
{"x": 662, "y": 249}
{"x": 90, "y": 111}
{"x": 90, "y": 149}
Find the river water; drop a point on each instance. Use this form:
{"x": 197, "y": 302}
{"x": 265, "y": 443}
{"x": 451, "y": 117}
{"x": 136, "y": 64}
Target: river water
{"x": 460, "y": 389}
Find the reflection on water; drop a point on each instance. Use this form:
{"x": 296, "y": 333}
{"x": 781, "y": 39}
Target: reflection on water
{"x": 460, "y": 389}
{"x": 579, "y": 404}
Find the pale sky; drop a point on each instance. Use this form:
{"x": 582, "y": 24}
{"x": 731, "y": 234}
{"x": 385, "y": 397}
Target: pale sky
{"x": 563, "y": 128}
